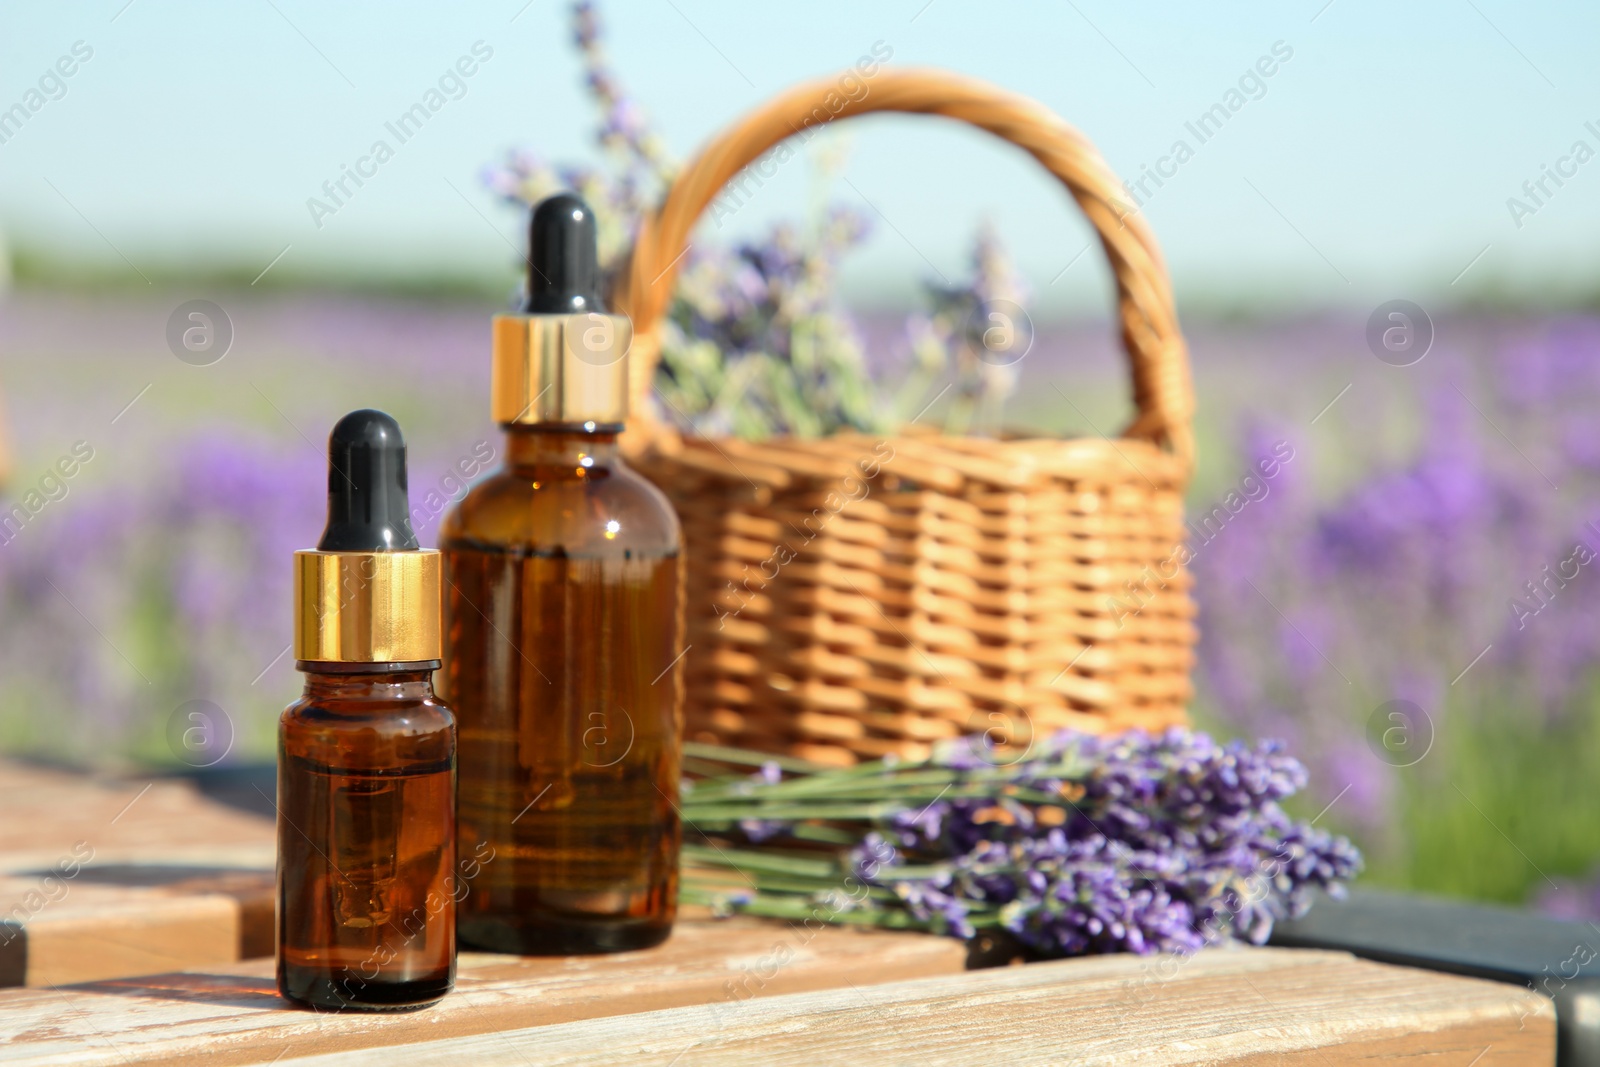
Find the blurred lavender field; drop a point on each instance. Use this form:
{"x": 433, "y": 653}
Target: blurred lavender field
{"x": 1428, "y": 542}
{"x": 162, "y": 574}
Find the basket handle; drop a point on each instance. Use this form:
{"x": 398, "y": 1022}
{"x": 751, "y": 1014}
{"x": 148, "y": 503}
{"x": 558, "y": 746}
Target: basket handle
{"x": 1163, "y": 394}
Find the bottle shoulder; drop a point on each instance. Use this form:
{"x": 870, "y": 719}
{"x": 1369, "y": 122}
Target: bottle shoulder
{"x": 367, "y": 737}
{"x": 611, "y": 510}
{"x": 411, "y": 717}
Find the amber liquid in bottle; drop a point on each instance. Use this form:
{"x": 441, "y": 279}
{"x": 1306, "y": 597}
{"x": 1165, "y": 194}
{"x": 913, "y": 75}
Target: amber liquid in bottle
{"x": 367, "y": 886}
{"x": 563, "y": 627}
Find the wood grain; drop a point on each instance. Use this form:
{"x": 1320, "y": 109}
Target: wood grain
{"x": 232, "y": 1015}
{"x": 106, "y": 877}
{"x": 1235, "y": 1007}
{"x": 125, "y": 820}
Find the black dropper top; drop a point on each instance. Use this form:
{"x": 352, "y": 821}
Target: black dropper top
{"x": 563, "y": 258}
{"x": 368, "y": 510}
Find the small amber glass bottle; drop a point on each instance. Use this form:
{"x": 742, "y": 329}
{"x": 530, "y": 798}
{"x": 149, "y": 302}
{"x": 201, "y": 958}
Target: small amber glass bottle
{"x": 563, "y": 635}
{"x": 367, "y": 887}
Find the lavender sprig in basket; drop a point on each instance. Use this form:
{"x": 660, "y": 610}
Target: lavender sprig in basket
{"x": 1081, "y": 845}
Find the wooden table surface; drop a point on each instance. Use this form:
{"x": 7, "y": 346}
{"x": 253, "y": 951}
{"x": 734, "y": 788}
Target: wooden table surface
{"x": 162, "y": 878}
{"x": 178, "y": 890}
{"x": 715, "y": 994}
{"x": 233, "y": 1015}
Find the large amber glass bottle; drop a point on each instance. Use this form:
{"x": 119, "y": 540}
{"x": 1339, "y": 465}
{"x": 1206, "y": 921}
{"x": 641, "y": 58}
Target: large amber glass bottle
{"x": 563, "y": 636}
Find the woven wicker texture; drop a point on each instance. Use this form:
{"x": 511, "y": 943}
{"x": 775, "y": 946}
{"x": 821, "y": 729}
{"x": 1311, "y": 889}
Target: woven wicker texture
{"x": 852, "y": 597}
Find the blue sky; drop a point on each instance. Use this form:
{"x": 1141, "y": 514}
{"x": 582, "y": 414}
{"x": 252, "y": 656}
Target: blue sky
{"x": 1377, "y": 161}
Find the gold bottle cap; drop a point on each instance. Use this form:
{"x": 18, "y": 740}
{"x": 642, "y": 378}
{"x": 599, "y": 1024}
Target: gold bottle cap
{"x": 561, "y": 368}
{"x": 367, "y": 607}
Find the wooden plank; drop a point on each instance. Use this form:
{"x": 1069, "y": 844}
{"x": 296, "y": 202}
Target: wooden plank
{"x": 181, "y": 884}
{"x": 232, "y": 1014}
{"x": 1235, "y": 1007}
{"x": 125, "y": 820}
{"x": 106, "y": 877}
{"x": 128, "y": 937}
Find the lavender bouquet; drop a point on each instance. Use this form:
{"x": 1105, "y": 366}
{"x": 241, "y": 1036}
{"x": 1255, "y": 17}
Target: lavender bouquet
{"x": 757, "y": 341}
{"x": 1081, "y": 845}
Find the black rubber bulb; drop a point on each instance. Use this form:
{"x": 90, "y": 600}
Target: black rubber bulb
{"x": 563, "y": 258}
{"x": 368, "y": 509}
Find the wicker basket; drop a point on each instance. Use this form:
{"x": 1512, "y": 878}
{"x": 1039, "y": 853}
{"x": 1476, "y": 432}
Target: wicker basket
{"x": 852, "y": 597}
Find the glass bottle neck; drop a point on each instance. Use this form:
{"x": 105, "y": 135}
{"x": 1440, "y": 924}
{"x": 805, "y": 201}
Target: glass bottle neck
{"x": 370, "y": 684}
{"x": 530, "y": 448}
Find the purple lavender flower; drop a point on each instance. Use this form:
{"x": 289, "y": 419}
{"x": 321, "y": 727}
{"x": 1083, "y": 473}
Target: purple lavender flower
{"x": 1132, "y": 843}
